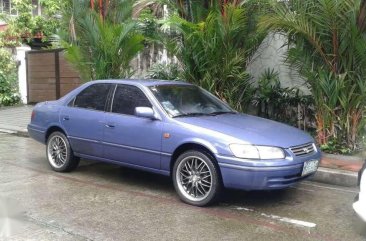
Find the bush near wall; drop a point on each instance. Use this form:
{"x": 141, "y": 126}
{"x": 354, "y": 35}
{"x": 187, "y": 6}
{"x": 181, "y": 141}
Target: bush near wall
{"x": 8, "y": 79}
{"x": 284, "y": 104}
{"x": 327, "y": 45}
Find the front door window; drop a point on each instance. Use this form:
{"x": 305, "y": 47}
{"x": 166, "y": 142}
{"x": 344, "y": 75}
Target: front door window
{"x": 127, "y": 98}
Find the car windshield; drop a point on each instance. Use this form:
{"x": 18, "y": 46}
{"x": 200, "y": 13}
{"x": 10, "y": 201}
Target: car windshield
{"x": 188, "y": 100}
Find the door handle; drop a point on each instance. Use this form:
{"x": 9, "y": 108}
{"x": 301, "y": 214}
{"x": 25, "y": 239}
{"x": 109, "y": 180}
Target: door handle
{"x": 66, "y": 118}
{"x": 109, "y": 125}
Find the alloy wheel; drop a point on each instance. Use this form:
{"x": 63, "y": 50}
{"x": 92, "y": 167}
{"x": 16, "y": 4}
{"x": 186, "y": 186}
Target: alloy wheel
{"x": 57, "y": 151}
{"x": 194, "y": 178}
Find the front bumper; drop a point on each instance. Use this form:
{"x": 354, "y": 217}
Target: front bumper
{"x": 360, "y": 209}
{"x": 262, "y": 175}
{"x": 360, "y": 201}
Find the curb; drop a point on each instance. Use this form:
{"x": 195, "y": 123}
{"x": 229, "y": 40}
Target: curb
{"x": 335, "y": 177}
{"x": 21, "y": 133}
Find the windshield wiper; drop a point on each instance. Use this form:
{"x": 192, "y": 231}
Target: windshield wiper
{"x": 208, "y": 114}
{"x": 190, "y": 114}
{"x": 222, "y": 112}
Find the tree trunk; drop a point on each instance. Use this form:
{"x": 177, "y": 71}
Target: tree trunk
{"x": 361, "y": 20}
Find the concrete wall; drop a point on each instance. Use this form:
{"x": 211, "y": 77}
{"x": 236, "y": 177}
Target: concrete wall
{"x": 150, "y": 56}
{"x": 271, "y": 54}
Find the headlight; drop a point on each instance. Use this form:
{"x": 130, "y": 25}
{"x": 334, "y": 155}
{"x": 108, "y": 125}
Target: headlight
{"x": 257, "y": 152}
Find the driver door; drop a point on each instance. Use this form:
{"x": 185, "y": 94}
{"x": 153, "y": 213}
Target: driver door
{"x": 128, "y": 138}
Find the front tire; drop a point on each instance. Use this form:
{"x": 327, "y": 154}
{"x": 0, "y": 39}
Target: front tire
{"x": 196, "y": 178}
{"x": 59, "y": 153}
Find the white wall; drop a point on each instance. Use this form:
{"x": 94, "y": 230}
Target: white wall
{"x": 22, "y": 72}
{"x": 271, "y": 54}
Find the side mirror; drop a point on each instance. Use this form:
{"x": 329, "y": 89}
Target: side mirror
{"x": 145, "y": 112}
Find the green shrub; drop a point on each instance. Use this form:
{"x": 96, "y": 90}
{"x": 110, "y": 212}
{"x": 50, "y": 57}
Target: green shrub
{"x": 24, "y": 27}
{"x": 327, "y": 45}
{"x": 101, "y": 47}
{"x": 165, "y": 72}
{"x": 284, "y": 104}
{"x": 333, "y": 146}
{"x": 8, "y": 79}
{"x": 214, "y": 52}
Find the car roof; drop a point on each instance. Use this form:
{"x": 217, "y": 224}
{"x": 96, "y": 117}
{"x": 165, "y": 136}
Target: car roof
{"x": 136, "y": 82}
{"x": 145, "y": 82}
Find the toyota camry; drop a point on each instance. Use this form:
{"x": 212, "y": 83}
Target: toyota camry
{"x": 175, "y": 129}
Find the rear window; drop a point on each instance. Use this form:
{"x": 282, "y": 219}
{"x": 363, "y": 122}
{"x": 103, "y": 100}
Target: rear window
{"x": 93, "y": 97}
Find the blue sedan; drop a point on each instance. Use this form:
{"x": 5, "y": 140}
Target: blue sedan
{"x": 175, "y": 129}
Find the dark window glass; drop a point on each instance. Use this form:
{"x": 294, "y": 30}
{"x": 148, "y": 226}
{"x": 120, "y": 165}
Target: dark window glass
{"x": 13, "y": 10}
{"x": 93, "y": 97}
{"x": 5, "y": 5}
{"x": 127, "y": 98}
{"x": 35, "y": 10}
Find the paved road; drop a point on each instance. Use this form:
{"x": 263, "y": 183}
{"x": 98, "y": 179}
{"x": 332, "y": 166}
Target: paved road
{"x": 107, "y": 202}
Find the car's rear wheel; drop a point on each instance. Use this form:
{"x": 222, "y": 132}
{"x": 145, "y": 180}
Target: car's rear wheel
{"x": 59, "y": 153}
{"x": 196, "y": 178}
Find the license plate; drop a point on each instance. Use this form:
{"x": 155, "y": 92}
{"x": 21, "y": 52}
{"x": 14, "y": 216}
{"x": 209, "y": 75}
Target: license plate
{"x": 310, "y": 167}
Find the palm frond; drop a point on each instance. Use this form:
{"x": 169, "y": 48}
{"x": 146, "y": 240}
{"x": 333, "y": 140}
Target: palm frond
{"x": 103, "y": 48}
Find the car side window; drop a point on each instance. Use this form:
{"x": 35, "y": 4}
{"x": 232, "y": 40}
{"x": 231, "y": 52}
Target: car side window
{"x": 93, "y": 97}
{"x": 127, "y": 98}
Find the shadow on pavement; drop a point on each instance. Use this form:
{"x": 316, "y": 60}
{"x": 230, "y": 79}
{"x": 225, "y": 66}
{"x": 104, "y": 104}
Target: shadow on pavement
{"x": 158, "y": 183}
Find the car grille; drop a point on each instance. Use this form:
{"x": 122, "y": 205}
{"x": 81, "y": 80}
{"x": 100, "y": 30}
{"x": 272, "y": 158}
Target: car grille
{"x": 302, "y": 150}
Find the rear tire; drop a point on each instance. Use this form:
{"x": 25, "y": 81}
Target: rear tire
{"x": 59, "y": 153}
{"x": 196, "y": 178}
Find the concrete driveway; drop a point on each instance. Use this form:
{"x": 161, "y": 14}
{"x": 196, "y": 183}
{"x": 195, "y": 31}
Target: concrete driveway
{"x": 106, "y": 202}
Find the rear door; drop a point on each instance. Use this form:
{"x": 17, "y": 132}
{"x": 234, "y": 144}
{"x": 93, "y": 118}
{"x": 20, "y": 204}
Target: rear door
{"x": 83, "y": 119}
{"x": 128, "y": 138}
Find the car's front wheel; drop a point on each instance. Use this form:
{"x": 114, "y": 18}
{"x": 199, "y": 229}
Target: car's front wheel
{"x": 59, "y": 153}
{"x": 196, "y": 178}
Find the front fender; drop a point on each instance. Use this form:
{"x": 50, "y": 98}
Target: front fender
{"x": 199, "y": 141}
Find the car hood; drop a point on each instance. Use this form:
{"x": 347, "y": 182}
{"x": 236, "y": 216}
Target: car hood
{"x": 251, "y": 129}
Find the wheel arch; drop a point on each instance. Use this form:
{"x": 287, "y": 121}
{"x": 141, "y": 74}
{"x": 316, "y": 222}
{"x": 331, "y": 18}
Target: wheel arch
{"x": 52, "y": 129}
{"x": 197, "y": 147}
